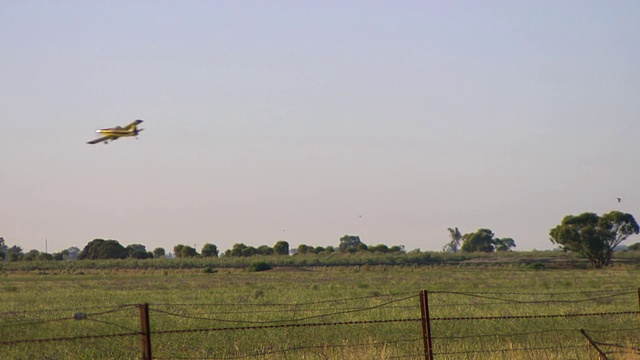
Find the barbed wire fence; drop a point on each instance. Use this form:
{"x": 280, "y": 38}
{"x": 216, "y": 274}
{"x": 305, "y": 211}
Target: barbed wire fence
{"x": 429, "y": 325}
{"x": 530, "y": 323}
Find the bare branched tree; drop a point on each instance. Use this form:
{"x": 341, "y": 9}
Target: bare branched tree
{"x": 454, "y": 244}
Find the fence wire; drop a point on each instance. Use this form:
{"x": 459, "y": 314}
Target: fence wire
{"x": 463, "y": 324}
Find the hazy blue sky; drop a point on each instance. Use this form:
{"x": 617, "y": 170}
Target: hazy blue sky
{"x": 308, "y": 120}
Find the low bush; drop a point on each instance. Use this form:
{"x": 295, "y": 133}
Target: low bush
{"x": 259, "y": 266}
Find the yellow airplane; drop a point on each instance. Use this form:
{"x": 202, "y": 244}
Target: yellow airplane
{"x": 111, "y": 134}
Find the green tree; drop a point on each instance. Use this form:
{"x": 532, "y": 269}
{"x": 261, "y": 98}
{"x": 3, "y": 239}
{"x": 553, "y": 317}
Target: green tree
{"x": 158, "y": 253}
{"x": 362, "y": 247}
{"x": 15, "y": 253}
{"x": 264, "y": 250}
{"x": 381, "y": 248}
{"x": 209, "y": 250}
{"x": 281, "y": 248}
{"x": 91, "y": 250}
{"x": 177, "y": 250}
{"x": 479, "y": 241}
{"x": 103, "y": 249}
{"x": 111, "y": 249}
{"x": 504, "y": 244}
{"x": 3, "y": 249}
{"x": 67, "y": 254}
{"x": 44, "y": 256}
{"x": 349, "y": 243}
{"x": 236, "y": 250}
{"x": 595, "y": 237}
{"x": 305, "y": 249}
{"x": 72, "y": 253}
{"x": 188, "y": 251}
{"x": 138, "y": 251}
{"x": 31, "y": 255}
{"x": 241, "y": 250}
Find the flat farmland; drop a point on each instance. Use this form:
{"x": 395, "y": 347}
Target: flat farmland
{"x": 351, "y": 312}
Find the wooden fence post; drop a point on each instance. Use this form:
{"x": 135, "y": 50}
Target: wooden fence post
{"x": 145, "y": 331}
{"x": 426, "y": 325}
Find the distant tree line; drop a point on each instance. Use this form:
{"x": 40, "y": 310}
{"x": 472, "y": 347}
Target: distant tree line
{"x": 348, "y": 244}
{"x": 111, "y": 249}
{"x": 590, "y": 235}
{"x": 15, "y": 253}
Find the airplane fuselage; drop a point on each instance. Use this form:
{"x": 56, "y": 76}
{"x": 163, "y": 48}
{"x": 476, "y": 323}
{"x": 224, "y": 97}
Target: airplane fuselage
{"x": 118, "y": 132}
{"x": 110, "y": 134}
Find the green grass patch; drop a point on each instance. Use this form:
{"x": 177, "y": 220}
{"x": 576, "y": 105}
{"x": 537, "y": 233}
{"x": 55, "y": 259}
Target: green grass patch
{"x": 372, "y": 312}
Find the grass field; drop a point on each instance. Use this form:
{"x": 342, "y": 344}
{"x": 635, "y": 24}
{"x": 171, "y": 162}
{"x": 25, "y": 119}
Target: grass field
{"x": 359, "y": 312}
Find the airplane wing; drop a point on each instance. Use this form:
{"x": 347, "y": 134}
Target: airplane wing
{"x": 104, "y": 138}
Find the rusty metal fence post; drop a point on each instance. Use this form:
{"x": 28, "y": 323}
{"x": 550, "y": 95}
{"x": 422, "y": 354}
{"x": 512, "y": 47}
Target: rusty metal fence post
{"x": 603, "y": 356}
{"x": 426, "y": 325}
{"x": 145, "y": 331}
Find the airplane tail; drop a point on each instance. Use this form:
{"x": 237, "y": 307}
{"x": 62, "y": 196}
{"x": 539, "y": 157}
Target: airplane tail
{"x": 134, "y": 127}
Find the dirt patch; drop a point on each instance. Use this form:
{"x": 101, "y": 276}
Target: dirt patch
{"x": 289, "y": 269}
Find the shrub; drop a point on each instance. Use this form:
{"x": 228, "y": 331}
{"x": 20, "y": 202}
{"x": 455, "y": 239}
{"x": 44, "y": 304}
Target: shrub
{"x": 536, "y": 266}
{"x": 258, "y": 294}
{"x": 209, "y": 270}
{"x": 259, "y": 266}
